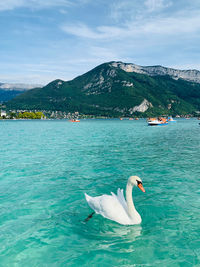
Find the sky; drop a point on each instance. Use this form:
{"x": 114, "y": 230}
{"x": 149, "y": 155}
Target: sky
{"x": 44, "y": 40}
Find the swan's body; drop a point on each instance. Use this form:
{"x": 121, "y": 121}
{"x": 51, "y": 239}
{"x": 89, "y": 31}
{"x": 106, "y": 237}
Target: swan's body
{"x": 115, "y": 207}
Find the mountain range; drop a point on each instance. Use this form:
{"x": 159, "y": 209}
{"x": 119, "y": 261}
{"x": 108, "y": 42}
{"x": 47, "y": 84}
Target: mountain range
{"x": 11, "y": 90}
{"x": 118, "y": 89}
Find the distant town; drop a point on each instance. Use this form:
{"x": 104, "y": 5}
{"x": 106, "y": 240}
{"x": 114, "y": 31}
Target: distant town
{"x": 47, "y": 114}
{"x": 38, "y": 114}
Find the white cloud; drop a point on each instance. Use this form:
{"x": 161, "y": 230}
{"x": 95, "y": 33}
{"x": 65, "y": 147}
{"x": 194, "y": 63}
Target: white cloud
{"x": 80, "y": 30}
{"x": 133, "y": 9}
{"x": 118, "y": 10}
{"x": 102, "y": 32}
{"x": 155, "y": 5}
{"x": 10, "y": 4}
{"x": 35, "y": 4}
{"x": 172, "y": 26}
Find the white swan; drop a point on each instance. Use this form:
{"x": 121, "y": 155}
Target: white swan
{"x": 115, "y": 207}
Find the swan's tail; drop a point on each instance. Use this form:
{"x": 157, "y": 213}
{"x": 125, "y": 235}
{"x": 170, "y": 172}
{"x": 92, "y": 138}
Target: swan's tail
{"x": 90, "y": 201}
{"x": 87, "y": 197}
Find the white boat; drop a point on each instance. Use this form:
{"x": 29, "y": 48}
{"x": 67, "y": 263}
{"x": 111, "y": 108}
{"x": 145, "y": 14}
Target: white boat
{"x": 157, "y": 122}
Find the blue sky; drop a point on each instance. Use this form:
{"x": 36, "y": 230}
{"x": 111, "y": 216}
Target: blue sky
{"x": 42, "y": 40}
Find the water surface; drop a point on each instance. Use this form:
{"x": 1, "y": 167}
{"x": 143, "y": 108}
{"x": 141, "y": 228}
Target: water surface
{"x": 46, "y": 166}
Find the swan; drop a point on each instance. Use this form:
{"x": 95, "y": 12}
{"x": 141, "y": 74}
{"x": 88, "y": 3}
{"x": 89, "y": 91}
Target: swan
{"x": 115, "y": 207}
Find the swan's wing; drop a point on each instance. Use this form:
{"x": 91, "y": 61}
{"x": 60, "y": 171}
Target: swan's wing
{"x": 109, "y": 207}
{"x": 120, "y": 196}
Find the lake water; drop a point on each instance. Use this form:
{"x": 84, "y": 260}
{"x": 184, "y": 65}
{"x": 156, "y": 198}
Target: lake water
{"x": 46, "y": 166}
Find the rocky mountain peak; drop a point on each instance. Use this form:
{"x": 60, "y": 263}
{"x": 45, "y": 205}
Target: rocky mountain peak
{"x": 188, "y": 75}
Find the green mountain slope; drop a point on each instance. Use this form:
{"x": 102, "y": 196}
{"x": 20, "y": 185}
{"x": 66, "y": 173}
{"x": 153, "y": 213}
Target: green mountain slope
{"x": 109, "y": 90}
{"x": 6, "y": 95}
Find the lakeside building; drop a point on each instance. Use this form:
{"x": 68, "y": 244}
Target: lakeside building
{"x": 3, "y": 113}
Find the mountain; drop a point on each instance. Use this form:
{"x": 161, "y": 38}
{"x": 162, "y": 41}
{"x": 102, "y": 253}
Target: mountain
{"x": 8, "y": 95}
{"x": 118, "y": 89}
{"x": 11, "y": 90}
{"x": 188, "y": 75}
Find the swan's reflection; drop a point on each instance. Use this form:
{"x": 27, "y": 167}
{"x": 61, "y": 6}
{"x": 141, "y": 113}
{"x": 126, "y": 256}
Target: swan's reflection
{"x": 104, "y": 234}
{"x": 128, "y": 232}
{"x": 120, "y": 239}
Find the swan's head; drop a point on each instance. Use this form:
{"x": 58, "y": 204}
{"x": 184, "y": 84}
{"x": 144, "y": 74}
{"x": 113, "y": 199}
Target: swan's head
{"x": 136, "y": 181}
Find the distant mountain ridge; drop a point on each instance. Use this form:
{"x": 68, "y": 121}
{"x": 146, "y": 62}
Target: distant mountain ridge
{"x": 11, "y": 90}
{"x": 188, "y": 75}
{"x": 18, "y": 86}
{"x": 117, "y": 89}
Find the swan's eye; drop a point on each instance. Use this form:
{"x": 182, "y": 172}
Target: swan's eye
{"x": 139, "y": 182}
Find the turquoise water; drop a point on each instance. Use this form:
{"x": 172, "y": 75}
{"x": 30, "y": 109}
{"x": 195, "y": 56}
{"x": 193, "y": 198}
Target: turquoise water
{"x": 46, "y": 166}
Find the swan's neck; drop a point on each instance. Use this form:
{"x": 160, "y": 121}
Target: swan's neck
{"x": 129, "y": 199}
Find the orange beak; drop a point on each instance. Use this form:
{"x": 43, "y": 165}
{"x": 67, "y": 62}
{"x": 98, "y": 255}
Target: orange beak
{"x": 141, "y": 187}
